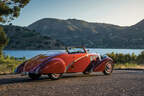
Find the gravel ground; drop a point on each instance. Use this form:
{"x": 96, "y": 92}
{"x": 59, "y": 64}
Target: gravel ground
{"x": 120, "y": 83}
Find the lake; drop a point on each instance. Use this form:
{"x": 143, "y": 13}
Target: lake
{"x": 31, "y": 53}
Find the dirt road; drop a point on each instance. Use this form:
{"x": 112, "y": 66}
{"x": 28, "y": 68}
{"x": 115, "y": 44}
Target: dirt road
{"x": 120, "y": 83}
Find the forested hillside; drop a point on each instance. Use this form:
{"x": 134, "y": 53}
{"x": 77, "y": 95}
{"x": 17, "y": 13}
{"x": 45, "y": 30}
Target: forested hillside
{"x": 74, "y": 32}
{"x": 23, "y": 38}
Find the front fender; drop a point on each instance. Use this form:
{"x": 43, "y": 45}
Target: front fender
{"x": 55, "y": 65}
{"x": 101, "y": 65}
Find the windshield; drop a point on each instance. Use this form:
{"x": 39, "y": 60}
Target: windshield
{"x": 75, "y": 50}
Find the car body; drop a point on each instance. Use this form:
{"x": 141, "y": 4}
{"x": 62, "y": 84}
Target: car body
{"x": 74, "y": 60}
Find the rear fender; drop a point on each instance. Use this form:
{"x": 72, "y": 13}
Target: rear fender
{"x": 55, "y": 65}
{"x": 19, "y": 69}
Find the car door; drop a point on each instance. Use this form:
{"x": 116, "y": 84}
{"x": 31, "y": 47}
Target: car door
{"x": 80, "y": 62}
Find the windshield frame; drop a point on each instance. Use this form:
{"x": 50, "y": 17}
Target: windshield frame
{"x": 68, "y": 48}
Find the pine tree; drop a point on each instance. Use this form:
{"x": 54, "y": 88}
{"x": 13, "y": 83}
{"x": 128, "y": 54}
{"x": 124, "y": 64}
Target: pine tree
{"x": 3, "y": 40}
{"x": 9, "y": 10}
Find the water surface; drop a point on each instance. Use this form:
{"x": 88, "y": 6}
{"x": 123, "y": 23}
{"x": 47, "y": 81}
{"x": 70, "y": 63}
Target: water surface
{"x": 31, "y": 53}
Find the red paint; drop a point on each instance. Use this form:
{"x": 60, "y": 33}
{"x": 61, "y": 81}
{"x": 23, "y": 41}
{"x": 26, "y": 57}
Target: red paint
{"x": 63, "y": 63}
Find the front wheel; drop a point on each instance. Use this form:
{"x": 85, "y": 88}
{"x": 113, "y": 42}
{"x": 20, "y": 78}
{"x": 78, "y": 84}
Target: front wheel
{"x": 55, "y": 76}
{"x": 34, "y": 76}
{"x": 108, "y": 68}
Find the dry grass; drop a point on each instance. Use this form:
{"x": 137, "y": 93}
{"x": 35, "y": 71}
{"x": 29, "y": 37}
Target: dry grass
{"x": 127, "y": 65}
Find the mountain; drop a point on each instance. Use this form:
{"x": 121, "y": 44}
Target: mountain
{"x": 23, "y": 38}
{"x": 50, "y": 33}
{"x": 73, "y": 32}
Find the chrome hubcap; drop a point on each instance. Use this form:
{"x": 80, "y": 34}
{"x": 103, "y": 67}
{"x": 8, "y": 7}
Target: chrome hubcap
{"x": 108, "y": 67}
{"x": 56, "y": 75}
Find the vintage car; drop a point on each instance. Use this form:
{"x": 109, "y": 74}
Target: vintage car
{"x": 73, "y": 60}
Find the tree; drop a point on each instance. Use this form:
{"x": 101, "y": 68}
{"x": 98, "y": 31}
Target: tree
{"x": 3, "y": 40}
{"x": 9, "y": 10}
{"x": 140, "y": 58}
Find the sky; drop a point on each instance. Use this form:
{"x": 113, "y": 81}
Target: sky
{"x": 118, "y": 12}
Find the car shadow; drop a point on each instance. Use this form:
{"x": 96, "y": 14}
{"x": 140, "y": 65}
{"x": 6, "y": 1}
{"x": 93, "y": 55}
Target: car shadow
{"x": 81, "y": 75}
{"x": 4, "y": 81}
{"x": 25, "y": 79}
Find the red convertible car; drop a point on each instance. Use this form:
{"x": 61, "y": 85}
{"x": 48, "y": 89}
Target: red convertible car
{"x": 72, "y": 61}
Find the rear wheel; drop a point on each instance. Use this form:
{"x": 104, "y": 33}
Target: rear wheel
{"x": 55, "y": 76}
{"x": 34, "y": 76}
{"x": 108, "y": 68}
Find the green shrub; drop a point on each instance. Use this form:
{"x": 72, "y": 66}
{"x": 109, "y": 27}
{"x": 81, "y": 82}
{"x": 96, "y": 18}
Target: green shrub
{"x": 140, "y": 58}
{"x": 8, "y": 63}
{"x": 120, "y": 58}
